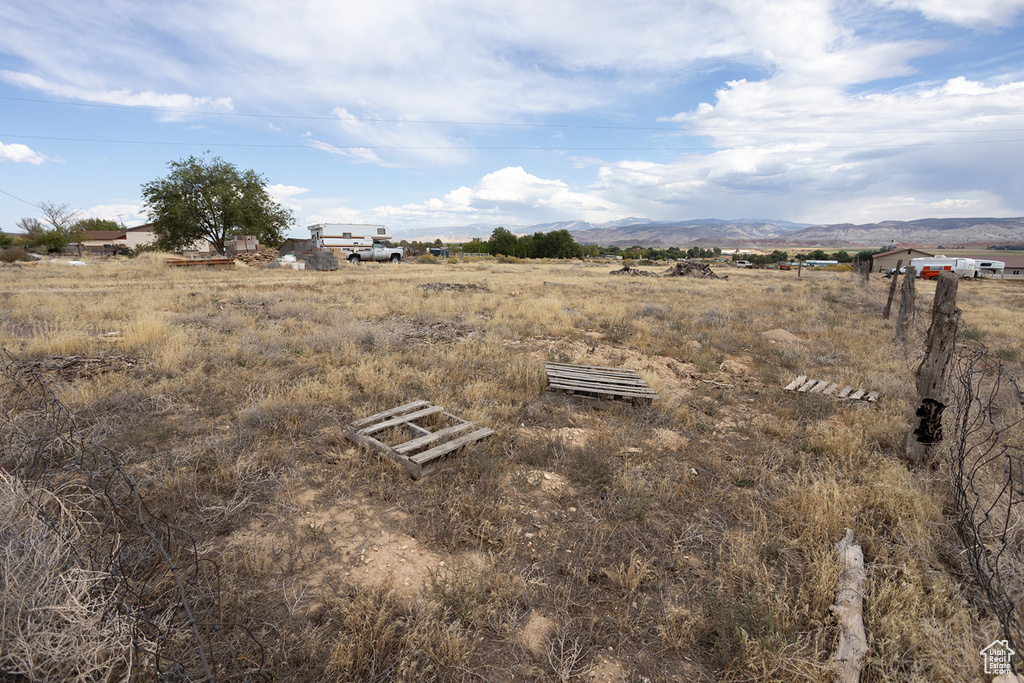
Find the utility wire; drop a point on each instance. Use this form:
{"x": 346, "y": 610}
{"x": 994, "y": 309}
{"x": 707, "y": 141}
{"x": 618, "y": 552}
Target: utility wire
{"x": 509, "y": 124}
{"x": 802, "y": 148}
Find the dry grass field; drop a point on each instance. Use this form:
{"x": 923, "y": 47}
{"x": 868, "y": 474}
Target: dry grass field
{"x": 690, "y": 540}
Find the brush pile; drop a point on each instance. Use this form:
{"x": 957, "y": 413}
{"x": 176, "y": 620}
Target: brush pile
{"x": 633, "y": 272}
{"x": 451, "y": 287}
{"x": 693, "y": 269}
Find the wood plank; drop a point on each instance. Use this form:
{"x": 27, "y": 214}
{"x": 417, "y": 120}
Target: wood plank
{"x": 625, "y": 381}
{"x": 587, "y": 386}
{"x": 372, "y": 444}
{"x": 416, "y": 428}
{"x": 819, "y": 387}
{"x": 454, "y": 444}
{"x": 608, "y": 379}
{"x": 592, "y": 373}
{"x": 388, "y": 413}
{"x": 585, "y": 367}
{"x": 795, "y": 383}
{"x": 431, "y": 438}
{"x": 831, "y": 389}
{"x": 855, "y": 396}
{"x": 845, "y": 391}
{"x": 807, "y": 385}
{"x": 400, "y": 419}
{"x": 873, "y": 396}
{"x": 638, "y": 393}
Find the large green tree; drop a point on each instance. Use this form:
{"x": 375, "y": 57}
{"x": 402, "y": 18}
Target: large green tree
{"x": 502, "y": 242}
{"x": 212, "y": 200}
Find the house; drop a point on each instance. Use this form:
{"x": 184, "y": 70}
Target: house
{"x": 886, "y": 261}
{"x": 100, "y": 242}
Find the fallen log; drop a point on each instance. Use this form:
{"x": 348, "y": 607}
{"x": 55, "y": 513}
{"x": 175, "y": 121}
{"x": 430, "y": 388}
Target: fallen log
{"x": 849, "y": 611}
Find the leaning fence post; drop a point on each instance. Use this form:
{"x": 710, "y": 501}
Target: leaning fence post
{"x": 907, "y": 294}
{"x": 922, "y": 442}
{"x": 892, "y": 290}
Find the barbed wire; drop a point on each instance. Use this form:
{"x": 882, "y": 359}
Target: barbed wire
{"x": 154, "y": 576}
{"x": 984, "y": 447}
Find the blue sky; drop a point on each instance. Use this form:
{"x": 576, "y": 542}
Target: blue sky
{"x": 451, "y": 112}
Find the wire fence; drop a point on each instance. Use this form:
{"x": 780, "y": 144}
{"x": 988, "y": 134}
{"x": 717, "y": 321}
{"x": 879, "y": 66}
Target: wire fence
{"x": 156, "y": 599}
{"x": 984, "y": 445}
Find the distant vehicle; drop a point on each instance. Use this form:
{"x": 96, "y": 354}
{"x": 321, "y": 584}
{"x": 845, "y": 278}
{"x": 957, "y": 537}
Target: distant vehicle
{"x": 785, "y": 266}
{"x": 930, "y": 268}
{"x": 742, "y": 264}
{"x": 354, "y": 242}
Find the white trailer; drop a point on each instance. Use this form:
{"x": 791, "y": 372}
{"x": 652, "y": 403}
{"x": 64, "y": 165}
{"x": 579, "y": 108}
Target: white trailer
{"x": 355, "y": 242}
{"x": 991, "y": 269}
{"x": 929, "y": 268}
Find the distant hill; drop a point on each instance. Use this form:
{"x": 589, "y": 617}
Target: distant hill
{"x": 644, "y": 232}
{"x": 974, "y": 231}
{"x": 707, "y": 232}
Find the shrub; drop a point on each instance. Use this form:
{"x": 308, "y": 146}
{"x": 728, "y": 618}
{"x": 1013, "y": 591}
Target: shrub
{"x": 426, "y": 258}
{"x": 13, "y": 254}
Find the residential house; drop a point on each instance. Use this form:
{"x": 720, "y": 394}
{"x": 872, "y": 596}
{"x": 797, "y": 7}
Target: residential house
{"x": 886, "y": 261}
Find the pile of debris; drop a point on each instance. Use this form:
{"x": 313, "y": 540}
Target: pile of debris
{"x": 451, "y": 287}
{"x": 693, "y": 269}
{"x": 255, "y": 258}
{"x": 633, "y": 272}
{"x": 77, "y": 367}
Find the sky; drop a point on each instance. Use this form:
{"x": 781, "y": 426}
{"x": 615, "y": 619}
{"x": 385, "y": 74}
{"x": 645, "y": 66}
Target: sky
{"x": 418, "y": 114}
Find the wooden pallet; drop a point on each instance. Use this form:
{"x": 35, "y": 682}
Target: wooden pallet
{"x": 596, "y": 382}
{"x": 426, "y": 444}
{"x": 822, "y": 386}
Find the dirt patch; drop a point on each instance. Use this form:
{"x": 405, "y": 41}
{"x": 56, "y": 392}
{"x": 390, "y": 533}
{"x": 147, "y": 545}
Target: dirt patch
{"x": 662, "y": 372}
{"x": 607, "y": 670}
{"x": 534, "y": 634}
{"x": 781, "y": 336}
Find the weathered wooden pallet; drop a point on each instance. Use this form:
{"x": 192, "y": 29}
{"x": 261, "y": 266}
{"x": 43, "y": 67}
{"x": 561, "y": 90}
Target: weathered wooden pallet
{"x": 597, "y": 382}
{"x": 425, "y": 445}
{"x": 804, "y": 385}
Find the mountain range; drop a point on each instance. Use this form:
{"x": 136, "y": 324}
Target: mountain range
{"x": 754, "y": 232}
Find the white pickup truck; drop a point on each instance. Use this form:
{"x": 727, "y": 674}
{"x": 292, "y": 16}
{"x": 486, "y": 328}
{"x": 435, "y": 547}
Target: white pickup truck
{"x": 356, "y": 243}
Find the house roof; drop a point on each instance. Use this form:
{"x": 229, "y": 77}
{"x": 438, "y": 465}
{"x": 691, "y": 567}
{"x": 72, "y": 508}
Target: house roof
{"x": 145, "y": 227}
{"x": 904, "y": 250}
{"x": 102, "y": 234}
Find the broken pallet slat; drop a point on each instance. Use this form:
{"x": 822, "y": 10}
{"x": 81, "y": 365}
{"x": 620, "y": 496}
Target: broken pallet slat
{"x": 604, "y": 390}
{"x": 872, "y": 397}
{"x": 795, "y": 383}
{"x": 388, "y": 413}
{"x": 819, "y": 387}
{"x": 431, "y": 437}
{"x": 845, "y": 391}
{"x": 401, "y": 419}
{"x": 596, "y": 382}
{"x": 608, "y": 379}
{"x": 807, "y": 385}
{"x": 831, "y": 389}
{"x": 855, "y": 396}
{"x": 437, "y": 451}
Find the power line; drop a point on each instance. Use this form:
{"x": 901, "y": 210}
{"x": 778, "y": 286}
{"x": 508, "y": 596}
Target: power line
{"x": 24, "y": 201}
{"x": 527, "y": 148}
{"x": 513, "y": 124}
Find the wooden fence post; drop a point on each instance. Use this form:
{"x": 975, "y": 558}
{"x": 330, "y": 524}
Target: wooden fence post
{"x": 922, "y": 442}
{"x": 907, "y": 295}
{"x": 892, "y": 290}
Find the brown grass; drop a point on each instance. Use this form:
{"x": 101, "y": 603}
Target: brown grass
{"x": 691, "y": 540}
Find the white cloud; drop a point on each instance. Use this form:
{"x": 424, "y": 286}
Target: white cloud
{"x": 973, "y": 13}
{"x": 287, "y": 195}
{"x": 20, "y": 154}
{"x": 128, "y": 214}
{"x": 169, "y": 101}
